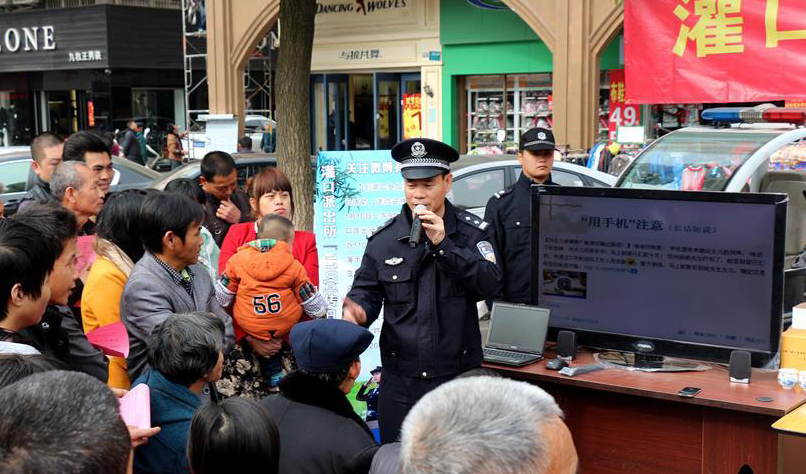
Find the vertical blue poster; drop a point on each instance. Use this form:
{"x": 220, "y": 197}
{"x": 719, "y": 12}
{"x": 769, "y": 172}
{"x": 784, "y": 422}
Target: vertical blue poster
{"x": 356, "y": 192}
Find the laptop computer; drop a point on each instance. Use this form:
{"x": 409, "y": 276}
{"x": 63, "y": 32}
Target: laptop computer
{"x": 517, "y": 334}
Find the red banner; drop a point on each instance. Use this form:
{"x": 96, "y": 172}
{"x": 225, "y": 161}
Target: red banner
{"x": 620, "y": 113}
{"x": 693, "y": 51}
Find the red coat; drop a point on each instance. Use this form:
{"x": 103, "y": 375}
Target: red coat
{"x": 303, "y": 250}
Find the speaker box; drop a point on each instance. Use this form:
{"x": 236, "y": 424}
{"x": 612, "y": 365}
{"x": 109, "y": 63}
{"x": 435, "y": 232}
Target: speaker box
{"x": 740, "y": 366}
{"x": 566, "y": 345}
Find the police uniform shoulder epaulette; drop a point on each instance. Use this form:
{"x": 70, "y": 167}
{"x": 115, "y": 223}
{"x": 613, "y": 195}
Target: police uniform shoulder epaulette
{"x": 381, "y": 227}
{"x": 503, "y": 193}
{"x": 472, "y": 220}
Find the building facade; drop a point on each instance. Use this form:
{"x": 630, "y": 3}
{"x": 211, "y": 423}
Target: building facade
{"x": 68, "y": 69}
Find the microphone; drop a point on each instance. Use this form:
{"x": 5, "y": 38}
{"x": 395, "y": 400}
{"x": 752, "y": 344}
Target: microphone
{"x": 416, "y": 227}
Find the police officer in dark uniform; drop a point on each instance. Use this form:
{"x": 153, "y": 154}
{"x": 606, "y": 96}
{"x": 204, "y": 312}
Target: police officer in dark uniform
{"x": 429, "y": 291}
{"x": 509, "y": 214}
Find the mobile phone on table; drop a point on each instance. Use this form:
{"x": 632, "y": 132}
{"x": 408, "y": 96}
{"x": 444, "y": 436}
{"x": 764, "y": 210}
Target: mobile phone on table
{"x": 689, "y": 391}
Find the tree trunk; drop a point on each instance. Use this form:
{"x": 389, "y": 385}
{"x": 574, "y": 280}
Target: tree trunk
{"x": 293, "y": 104}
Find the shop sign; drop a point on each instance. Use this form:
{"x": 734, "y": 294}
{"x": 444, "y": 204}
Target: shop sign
{"x": 90, "y": 113}
{"x": 682, "y": 51}
{"x": 80, "y": 56}
{"x": 794, "y": 102}
{"x": 412, "y": 115}
{"x": 360, "y": 54}
{"x": 43, "y": 40}
{"x": 28, "y": 38}
{"x": 365, "y": 7}
{"x": 621, "y": 114}
{"x": 365, "y": 13}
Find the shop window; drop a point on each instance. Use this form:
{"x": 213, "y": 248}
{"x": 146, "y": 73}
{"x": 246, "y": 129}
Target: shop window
{"x": 474, "y": 190}
{"x": 16, "y": 121}
{"x": 15, "y": 175}
{"x": 501, "y": 107}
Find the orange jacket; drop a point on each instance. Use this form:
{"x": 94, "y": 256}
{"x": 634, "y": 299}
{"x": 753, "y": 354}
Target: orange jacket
{"x": 266, "y": 282}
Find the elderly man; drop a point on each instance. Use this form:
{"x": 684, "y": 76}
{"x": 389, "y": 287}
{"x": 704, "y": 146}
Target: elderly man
{"x": 96, "y": 151}
{"x": 486, "y": 425}
{"x": 46, "y": 150}
{"x": 167, "y": 279}
{"x": 78, "y": 189}
{"x": 83, "y": 431}
{"x": 320, "y": 431}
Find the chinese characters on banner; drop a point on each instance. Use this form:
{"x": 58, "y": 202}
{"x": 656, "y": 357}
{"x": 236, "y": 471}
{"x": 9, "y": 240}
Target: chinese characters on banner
{"x": 412, "y": 116}
{"x": 620, "y": 114}
{"x": 356, "y": 193}
{"x": 692, "y": 51}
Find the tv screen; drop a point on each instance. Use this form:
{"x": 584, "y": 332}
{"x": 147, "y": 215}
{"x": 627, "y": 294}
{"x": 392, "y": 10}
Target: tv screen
{"x": 670, "y": 273}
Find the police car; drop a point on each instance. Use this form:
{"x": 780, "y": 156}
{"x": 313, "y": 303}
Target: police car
{"x": 746, "y": 149}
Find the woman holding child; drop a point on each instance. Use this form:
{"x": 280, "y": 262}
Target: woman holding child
{"x": 269, "y": 194}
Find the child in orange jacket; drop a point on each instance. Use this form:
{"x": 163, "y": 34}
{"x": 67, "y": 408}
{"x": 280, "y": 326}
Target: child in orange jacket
{"x": 269, "y": 288}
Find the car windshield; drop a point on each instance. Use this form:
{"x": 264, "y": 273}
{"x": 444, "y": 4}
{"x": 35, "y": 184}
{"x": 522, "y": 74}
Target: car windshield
{"x": 693, "y": 161}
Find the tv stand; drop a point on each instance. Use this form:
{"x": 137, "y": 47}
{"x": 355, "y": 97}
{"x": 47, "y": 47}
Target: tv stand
{"x": 646, "y": 362}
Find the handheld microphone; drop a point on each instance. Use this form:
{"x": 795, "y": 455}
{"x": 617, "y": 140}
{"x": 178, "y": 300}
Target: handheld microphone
{"x": 416, "y": 227}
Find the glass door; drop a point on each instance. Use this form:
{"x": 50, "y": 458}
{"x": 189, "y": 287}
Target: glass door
{"x": 330, "y": 112}
{"x": 411, "y": 120}
{"x": 338, "y": 118}
{"x": 387, "y": 110}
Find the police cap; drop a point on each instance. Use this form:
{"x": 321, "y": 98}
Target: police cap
{"x": 422, "y": 158}
{"x": 327, "y": 345}
{"x": 537, "y": 139}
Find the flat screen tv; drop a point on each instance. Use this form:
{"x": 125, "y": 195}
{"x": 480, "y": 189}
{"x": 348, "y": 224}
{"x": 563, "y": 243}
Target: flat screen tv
{"x": 661, "y": 273}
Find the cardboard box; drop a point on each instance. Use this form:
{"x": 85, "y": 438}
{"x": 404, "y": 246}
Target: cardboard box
{"x": 793, "y": 349}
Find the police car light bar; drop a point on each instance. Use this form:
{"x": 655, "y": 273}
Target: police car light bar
{"x": 727, "y": 115}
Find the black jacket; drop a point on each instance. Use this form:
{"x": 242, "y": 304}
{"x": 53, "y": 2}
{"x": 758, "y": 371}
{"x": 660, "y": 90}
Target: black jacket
{"x": 131, "y": 146}
{"x": 59, "y": 335}
{"x": 219, "y": 227}
{"x": 429, "y": 294}
{"x": 319, "y": 430}
{"x": 40, "y": 191}
{"x": 509, "y": 212}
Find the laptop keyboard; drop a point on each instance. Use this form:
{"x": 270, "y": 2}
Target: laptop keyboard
{"x": 508, "y": 354}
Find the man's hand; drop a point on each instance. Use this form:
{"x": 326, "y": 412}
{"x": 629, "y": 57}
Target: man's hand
{"x": 228, "y": 212}
{"x": 139, "y": 436}
{"x": 265, "y": 348}
{"x": 353, "y": 312}
{"x": 433, "y": 224}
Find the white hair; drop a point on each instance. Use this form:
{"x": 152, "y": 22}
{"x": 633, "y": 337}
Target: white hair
{"x": 66, "y": 176}
{"x": 478, "y": 425}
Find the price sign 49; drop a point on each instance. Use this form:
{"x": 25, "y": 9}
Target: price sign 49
{"x": 622, "y": 115}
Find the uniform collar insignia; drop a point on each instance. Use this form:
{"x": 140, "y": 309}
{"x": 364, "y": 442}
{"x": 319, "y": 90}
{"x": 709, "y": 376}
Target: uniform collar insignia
{"x": 393, "y": 261}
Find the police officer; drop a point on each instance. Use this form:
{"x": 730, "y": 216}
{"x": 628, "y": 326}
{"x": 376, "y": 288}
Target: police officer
{"x": 429, "y": 291}
{"x": 509, "y": 214}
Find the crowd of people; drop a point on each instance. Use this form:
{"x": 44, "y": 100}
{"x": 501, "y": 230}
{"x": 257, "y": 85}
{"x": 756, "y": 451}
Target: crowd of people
{"x": 217, "y": 292}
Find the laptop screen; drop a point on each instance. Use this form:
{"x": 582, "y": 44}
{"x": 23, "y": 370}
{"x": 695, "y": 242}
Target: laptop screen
{"x": 518, "y": 327}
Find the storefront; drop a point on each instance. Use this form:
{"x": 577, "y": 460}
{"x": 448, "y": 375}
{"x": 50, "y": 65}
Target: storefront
{"x": 69, "y": 69}
{"x": 376, "y": 73}
{"x": 497, "y": 78}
